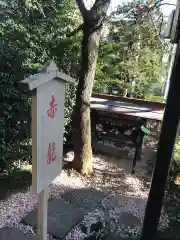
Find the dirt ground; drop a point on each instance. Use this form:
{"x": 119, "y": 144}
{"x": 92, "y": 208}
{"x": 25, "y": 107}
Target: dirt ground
{"x": 112, "y": 176}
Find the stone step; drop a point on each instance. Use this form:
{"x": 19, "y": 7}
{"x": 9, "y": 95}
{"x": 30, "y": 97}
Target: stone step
{"x": 9, "y": 233}
{"x": 86, "y": 199}
{"x": 62, "y": 217}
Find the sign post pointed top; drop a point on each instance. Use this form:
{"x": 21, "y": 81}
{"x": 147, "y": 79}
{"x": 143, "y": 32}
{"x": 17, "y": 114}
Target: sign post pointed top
{"x": 49, "y": 66}
{"x": 48, "y": 101}
{"x": 46, "y": 74}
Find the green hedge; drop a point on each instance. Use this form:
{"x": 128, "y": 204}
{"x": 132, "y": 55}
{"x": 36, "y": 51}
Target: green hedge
{"x": 29, "y": 36}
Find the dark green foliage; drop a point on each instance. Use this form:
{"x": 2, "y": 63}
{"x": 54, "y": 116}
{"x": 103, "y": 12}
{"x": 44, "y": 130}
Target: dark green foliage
{"x": 84, "y": 229}
{"x": 96, "y": 227}
{"x": 103, "y": 230}
{"x": 96, "y": 231}
{"x": 172, "y": 198}
{"x": 18, "y": 179}
{"x": 32, "y": 33}
{"x": 14, "y": 108}
{"x": 174, "y": 172}
{"x": 173, "y": 211}
{"x": 133, "y": 53}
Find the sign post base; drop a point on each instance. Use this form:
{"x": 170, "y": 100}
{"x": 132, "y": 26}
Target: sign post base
{"x": 42, "y": 214}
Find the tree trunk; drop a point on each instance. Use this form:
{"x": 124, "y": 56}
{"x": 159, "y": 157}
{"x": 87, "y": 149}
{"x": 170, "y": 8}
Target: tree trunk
{"x": 82, "y": 123}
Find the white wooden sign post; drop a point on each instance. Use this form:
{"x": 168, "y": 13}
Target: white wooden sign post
{"x": 48, "y": 97}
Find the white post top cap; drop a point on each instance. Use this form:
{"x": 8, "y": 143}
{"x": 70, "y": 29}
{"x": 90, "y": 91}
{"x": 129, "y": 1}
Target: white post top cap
{"x": 47, "y": 73}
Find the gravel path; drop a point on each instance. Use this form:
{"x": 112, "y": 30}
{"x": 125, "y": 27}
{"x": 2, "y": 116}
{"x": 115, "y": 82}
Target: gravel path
{"x": 109, "y": 176}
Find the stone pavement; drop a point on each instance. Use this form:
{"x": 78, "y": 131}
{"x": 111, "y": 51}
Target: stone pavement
{"x": 64, "y": 214}
{"x": 14, "y": 234}
{"x": 86, "y": 199}
{"x": 62, "y": 217}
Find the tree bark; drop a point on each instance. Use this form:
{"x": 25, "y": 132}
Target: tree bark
{"x": 82, "y": 139}
{"x": 92, "y": 27}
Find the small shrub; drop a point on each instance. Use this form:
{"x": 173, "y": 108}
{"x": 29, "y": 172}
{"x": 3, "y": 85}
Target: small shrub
{"x": 175, "y": 165}
{"x": 152, "y": 97}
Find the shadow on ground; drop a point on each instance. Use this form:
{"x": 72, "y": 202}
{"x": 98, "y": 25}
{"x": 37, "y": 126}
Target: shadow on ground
{"x": 18, "y": 180}
{"x": 112, "y": 176}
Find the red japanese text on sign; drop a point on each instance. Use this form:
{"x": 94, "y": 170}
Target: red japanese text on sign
{"x": 53, "y": 108}
{"x": 51, "y": 155}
